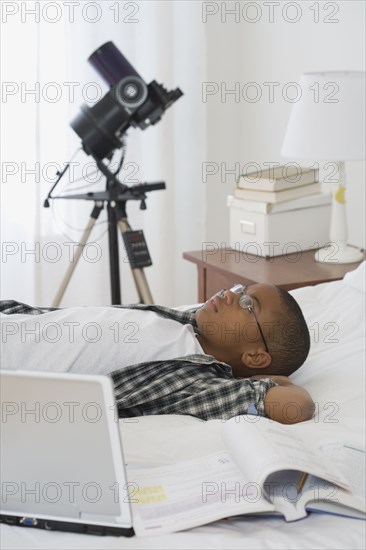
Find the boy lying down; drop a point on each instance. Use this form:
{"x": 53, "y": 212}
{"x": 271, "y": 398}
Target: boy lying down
{"x": 231, "y": 356}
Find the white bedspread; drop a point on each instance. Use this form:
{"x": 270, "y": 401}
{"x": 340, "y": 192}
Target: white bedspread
{"x": 334, "y": 374}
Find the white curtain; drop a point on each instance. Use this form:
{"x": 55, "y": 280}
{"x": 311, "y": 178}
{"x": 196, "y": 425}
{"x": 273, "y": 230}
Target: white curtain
{"x": 47, "y": 78}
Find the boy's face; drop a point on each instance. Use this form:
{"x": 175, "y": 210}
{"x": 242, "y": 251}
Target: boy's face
{"x": 230, "y": 333}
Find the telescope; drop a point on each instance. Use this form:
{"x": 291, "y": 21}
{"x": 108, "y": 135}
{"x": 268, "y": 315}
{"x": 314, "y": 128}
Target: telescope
{"x": 130, "y": 102}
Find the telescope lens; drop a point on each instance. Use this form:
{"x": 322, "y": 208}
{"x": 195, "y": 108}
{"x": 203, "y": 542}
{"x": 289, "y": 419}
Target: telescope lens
{"x": 131, "y": 91}
{"x": 111, "y": 64}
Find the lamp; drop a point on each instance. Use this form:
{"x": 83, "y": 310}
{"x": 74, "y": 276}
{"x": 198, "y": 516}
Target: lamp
{"x": 328, "y": 123}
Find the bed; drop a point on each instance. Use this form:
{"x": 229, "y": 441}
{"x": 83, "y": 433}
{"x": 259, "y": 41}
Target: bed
{"x": 334, "y": 374}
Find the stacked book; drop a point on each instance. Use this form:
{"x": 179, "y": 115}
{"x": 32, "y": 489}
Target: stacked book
{"x": 279, "y": 189}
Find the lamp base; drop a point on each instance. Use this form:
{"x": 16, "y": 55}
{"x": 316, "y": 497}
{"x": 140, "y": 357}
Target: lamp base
{"x": 336, "y": 253}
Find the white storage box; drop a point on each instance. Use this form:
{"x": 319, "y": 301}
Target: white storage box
{"x": 286, "y": 229}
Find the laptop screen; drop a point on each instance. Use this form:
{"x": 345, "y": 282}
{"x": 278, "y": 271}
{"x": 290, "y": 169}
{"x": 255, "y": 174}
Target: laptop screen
{"x": 61, "y": 454}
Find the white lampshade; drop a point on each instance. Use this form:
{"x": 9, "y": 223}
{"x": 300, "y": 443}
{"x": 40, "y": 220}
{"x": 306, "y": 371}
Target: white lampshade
{"x": 328, "y": 121}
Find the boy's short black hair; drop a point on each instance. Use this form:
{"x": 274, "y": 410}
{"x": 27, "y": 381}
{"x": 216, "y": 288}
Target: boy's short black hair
{"x": 289, "y": 339}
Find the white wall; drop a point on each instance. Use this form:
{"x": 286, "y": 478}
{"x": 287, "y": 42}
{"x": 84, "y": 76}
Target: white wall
{"x": 241, "y": 52}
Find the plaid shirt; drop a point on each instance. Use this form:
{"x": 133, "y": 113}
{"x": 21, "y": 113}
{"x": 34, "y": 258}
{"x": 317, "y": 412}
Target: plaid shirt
{"x": 196, "y": 385}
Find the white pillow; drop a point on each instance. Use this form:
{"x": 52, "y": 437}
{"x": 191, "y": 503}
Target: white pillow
{"x": 357, "y": 278}
{"x": 334, "y": 372}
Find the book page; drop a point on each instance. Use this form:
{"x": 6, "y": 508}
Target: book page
{"x": 327, "y": 497}
{"x": 350, "y": 460}
{"x": 321, "y": 496}
{"x": 187, "y": 494}
{"x": 281, "y": 488}
{"x": 317, "y": 490}
{"x": 264, "y": 447}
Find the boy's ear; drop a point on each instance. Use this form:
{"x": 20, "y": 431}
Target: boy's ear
{"x": 256, "y": 360}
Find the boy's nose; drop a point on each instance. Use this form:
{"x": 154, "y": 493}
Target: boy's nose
{"x": 230, "y": 297}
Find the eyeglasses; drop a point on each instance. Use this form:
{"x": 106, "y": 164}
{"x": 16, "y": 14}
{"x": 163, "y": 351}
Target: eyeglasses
{"x": 246, "y": 302}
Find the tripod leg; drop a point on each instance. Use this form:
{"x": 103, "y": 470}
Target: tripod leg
{"x": 113, "y": 256}
{"x": 138, "y": 274}
{"x": 70, "y": 270}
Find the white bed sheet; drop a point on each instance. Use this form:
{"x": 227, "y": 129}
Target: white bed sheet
{"x": 334, "y": 374}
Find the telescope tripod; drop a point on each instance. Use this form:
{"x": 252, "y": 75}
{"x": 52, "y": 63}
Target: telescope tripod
{"x": 116, "y": 197}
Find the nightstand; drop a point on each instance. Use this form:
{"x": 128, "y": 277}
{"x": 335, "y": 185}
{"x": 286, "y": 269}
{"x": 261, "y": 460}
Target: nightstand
{"x": 222, "y": 268}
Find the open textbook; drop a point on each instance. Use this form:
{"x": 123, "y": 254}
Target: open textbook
{"x": 267, "y": 468}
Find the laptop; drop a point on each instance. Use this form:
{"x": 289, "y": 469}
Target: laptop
{"x": 62, "y": 465}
